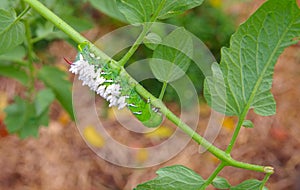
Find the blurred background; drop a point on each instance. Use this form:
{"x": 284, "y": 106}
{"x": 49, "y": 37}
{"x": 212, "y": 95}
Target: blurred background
{"x": 56, "y": 157}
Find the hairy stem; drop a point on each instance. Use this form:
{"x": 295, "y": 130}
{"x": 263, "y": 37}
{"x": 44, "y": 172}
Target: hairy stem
{"x": 73, "y": 34}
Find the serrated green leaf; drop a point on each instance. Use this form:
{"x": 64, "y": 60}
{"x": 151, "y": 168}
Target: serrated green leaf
{"x": 109, "y": 8}
{"x": 248, "y": 124}
{"x": 15, "y": 117}
{"x": 56, "y": 80}
{"x": 14, "y": 72}
{"x": 33, "y": 123}
{"x": 172, "y": 56}
{"x": 248, "y": 64}
{"x": 43, "y": 100}
{"x": 175, "y": 177}
{"x": 250, "y": 184}
{"x": 11, "y": 30}
{"x": 22, "y": 119}
{"x": 140, "y": 11}
{"x": 220, "y": 183}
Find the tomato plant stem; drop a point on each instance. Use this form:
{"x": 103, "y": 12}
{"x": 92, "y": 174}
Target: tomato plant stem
{"x": 136, "y": 44}
{"x": 139, "y": 40}
{"x": 73, "y": 34}
{"x": 213, "y": 175}
{"x": 264, "y": 181}
{"x": 198, "y": 138}
{"x": 31, "y": 68}
{"x": 163, "y": 90}
{"x": 62, "y": 25}
{"x": 235, "y": 134}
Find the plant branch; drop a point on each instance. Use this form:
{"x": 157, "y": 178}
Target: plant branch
{"x": 73, "y": 34}
{"x": 31, "y": 68}
{"x": 198, "y": 138}
{"x": 20, "y": 16}
{"x": 163, "y": 90}
{"x": 136, "y": 44}
{"x": 62, "y": 25}
{"x": 141, "y": 37}
{"x": 235, "y": 134}
{"x": 264, "y": 181}
{"x": 213, "y": 175}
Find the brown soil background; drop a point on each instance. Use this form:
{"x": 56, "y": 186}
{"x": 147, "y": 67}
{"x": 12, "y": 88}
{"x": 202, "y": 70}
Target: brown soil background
{"x": 59, "y": 159}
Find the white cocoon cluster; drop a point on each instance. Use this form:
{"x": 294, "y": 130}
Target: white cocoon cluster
{"x": 91, "y": 76}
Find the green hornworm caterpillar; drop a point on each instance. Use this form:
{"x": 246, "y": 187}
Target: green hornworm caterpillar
{"x": 107, "y": 82}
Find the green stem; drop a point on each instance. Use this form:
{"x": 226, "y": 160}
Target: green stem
{"x": 31, "y": 68}
{"x": 264, "y": 181}
{"x": 163, "y": 90}
{"x": 213, "y": 175}
{"x": 236, "y": 132}
{"x": 196, "y": 137}
{"x": 139, "y": 40}
{"x": 136, "y": 44}
{"x": 67, "y": 29}
{"x": 39, "y": 38}
{"x": 73, "y": 34}
{"x": 20, "y": 16}
{"x": 227, "y": 151}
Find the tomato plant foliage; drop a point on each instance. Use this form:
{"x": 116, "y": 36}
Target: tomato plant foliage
{"x": 241, "y": 81}
{"x": 246, "y": 70}
{"x": 247, "y": 65}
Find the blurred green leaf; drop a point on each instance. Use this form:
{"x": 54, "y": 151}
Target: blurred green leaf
{"x": 109, "y": 8}
{"x": 79, "y": 24}
{"x": 220, "y": 183}
{"x": 152, "y": 40}
{"x": 140, "y": 11}
{"x": 56, "y": 80}
{"x": 43, "y": 100}
{"x": 172, "y": 56}
{"x": 175, "y": 177}
{"x": 250, "y": 184}
{"x": 11, "y": 30}
{"x": 16, "y": 116}
{"x": 16, "y": 54}
{"x": 212, "y": 25}
{"x": 248, "y": 124}
{"x": 14, "y": 72}
{"x": 7, "y": 4}
{"x": 46, "y": 31}
{"x": 22, "y": 119}
{"x": 248, "y": 64}
{"x": 4, "y": 4}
